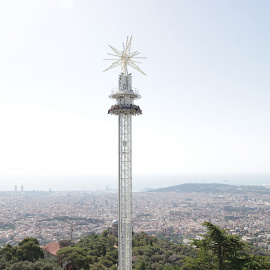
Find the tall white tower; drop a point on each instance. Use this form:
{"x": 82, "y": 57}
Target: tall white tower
{"x": 125, "y": 109}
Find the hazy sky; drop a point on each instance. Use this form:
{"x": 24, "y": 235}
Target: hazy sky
{"x": 205, "y": 98}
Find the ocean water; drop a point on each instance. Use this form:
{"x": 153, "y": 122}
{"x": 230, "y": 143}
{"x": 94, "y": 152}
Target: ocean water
{"x": 110, "y": 182}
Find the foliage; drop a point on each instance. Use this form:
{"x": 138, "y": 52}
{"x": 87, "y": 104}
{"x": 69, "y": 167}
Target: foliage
{"x": 100, "y": 249}
{"x": 27, "y": 250}
{"x": 149, "y": 252}
{"x": 27, "y": 255}
{"x": 67, "y": 218}
{"x": 76, "y": 255}
{"x": 218, "y": 250}
{"x": 38, "y": 265}
{"x": 172, "y": 237}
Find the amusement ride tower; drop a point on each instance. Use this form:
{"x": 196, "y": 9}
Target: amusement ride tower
{"x": 125, "y": 109}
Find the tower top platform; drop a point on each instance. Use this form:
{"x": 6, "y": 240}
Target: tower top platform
{"x": 125, "y": 96}
{"x": 125, "y": 89}
{"x": 120, "y": 93}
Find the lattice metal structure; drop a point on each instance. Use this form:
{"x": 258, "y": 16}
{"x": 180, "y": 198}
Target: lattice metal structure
{"x": 125, "y": 109}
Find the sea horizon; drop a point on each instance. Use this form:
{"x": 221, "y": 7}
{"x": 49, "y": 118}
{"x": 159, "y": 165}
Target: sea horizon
{"x": 109, "y": 182}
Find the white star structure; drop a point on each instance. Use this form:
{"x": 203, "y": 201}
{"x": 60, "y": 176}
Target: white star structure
{"x": 124, "y": 58}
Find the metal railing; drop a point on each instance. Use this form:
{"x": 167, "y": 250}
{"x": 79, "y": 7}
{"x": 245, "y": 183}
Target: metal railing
{"x": 120, "y": 91}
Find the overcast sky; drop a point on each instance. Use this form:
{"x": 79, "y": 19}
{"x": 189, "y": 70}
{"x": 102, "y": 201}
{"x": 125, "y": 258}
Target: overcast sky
{"x": 205, "y": 98}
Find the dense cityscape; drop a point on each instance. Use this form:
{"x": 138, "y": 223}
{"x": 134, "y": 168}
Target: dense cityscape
{"x": 51, "y": 216}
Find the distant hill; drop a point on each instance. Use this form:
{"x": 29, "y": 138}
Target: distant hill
{"x": 213, "y": 188}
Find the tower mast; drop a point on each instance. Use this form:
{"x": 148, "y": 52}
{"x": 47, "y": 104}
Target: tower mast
{"x": 125, "y": 109}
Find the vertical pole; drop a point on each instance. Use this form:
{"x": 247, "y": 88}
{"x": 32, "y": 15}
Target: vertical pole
{"x": 125, "y": 194}
{"x": 119, "y": 195}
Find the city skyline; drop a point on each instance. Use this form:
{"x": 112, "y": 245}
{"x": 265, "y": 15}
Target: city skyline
{"x": 206, "y": 90}
{"x": 243, "y": 212}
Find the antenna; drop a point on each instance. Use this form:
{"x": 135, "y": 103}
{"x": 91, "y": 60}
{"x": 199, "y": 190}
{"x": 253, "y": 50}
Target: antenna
{"x": 71, "y": 233}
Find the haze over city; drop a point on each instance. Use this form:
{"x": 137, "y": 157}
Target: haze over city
{"x": 205, "y": 99}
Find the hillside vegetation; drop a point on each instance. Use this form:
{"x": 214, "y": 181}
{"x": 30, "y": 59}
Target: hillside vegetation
{"x": 26, "y": 256}
{"x": 216, "y": 250}
{"x": 213, "y": 188}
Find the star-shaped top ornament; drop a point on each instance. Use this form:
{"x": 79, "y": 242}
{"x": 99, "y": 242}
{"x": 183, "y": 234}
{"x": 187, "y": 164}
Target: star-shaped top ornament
{"x": 125, "y": 58}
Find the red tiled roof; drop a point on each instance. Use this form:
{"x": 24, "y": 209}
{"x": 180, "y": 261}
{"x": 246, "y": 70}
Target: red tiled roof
{"x": 52, "y": 248}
